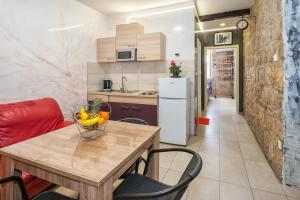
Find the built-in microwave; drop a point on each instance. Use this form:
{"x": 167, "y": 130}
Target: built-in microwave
{"x": 126, "y": 55}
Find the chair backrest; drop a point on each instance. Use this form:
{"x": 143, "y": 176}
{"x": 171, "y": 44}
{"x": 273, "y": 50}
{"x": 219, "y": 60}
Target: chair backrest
{"x": 192, "y": 170}
{"x": 176, "y": 192}
{"x": 134, "y": 121}
{"x": 23, "y": 120}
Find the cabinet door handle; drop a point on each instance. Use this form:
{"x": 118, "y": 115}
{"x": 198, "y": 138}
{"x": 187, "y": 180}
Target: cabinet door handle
{"x": 125, "y": 107}
{"x": 136, "y": 108}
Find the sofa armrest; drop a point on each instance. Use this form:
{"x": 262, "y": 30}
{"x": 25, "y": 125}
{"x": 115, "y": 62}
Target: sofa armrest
{"x": 64, "y": 124}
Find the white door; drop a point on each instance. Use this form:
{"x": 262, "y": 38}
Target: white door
{"x": 173, "y": 121}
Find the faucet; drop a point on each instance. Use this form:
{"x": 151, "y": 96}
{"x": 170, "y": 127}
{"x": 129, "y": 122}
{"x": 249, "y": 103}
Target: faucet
{"x": 123, "y": 87}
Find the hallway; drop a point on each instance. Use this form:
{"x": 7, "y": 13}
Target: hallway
{"x": 234, "y": 166}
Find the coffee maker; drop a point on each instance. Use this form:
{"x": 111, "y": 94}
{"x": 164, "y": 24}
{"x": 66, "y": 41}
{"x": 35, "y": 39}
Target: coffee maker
{"x": 107, "y": 85}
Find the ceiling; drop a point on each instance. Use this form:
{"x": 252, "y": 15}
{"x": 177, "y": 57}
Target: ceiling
{"x": 109, "y": 7}
{"x": 218, "y": 24}
{"x": 207, "y": 7}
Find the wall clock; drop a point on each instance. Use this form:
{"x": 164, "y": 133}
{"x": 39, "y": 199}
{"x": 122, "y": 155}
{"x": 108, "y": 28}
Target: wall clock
{"x": 242, "y": 24}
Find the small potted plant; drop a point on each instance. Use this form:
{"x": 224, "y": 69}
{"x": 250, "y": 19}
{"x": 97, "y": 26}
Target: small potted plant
{"x": 175, "y": 69}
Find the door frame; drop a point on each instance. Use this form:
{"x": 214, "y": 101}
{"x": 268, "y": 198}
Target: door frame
{"x": 237, "y": 74}
{"x": 199, "y": 78}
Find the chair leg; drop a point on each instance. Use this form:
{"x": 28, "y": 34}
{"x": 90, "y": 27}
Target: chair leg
{"x": 137, "y": 165}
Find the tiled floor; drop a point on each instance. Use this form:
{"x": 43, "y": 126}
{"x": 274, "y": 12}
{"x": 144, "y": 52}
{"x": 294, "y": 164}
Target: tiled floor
{"x": 234, "y": 165}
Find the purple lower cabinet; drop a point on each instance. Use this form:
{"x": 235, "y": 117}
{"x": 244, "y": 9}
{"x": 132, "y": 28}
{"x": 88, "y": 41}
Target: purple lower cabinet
{"x": 140, "y": 111}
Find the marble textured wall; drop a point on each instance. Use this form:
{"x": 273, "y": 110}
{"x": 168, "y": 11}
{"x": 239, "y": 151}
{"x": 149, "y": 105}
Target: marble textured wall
{"x": 264, "y": 79}
{"x": 292, "y": 92}
{"x": 44, "y": 50}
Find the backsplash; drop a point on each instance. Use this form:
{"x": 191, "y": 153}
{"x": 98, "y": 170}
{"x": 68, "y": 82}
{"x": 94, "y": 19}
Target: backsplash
{"x": 142, "y": 76}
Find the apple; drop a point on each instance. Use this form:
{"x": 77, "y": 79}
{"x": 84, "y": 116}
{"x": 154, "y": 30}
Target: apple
{"x": 78, "y": 116}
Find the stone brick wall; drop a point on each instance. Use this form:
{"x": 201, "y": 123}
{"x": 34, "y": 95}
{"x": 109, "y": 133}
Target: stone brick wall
{"x": 264, "y": 78}
{"x": 223, "y": 73}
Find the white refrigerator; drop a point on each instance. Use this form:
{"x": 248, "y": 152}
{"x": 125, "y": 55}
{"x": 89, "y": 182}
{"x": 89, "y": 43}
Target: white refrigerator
{"x": 173, "y": 110}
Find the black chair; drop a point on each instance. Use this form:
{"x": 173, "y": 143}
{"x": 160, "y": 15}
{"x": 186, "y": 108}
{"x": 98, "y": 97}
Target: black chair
{"x": 140, "y": 187}
{"x": 134, "y": 167}
{"x": 48, "y": 195}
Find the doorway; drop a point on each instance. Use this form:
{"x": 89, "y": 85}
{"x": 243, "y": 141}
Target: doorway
{"x": 221, "y": 74}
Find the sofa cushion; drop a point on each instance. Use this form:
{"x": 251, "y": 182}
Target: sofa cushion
{"x": 24, "y": 120}
{"x": 36, "y": 186}
{"x": 26, "y": 177}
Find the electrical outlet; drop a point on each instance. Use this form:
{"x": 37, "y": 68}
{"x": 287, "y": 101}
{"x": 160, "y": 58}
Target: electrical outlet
{"x": 275, "y": 57}
{"x": 279, "y": 144}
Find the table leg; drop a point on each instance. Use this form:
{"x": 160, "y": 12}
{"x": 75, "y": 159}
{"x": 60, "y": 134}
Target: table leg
{"x": 108, "y": 189}
{"x": 153, "y": 170}
{"x": 104, "y": 192}
{"x": 7, "y": 190}
{"x": 16, "y": 189}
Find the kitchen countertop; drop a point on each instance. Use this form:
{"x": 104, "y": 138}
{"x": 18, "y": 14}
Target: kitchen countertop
{"x": 128, "y": 94}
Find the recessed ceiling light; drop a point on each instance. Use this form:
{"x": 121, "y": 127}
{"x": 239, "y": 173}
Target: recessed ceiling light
{"x": 177, "y": 28}
{"x": 223, "y": 24}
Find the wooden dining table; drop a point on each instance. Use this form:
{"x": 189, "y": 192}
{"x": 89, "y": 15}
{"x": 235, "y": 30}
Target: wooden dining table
{"x": 89, "y": 167}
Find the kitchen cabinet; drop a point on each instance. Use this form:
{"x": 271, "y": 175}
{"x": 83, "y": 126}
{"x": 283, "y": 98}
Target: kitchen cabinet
{"x": 151, "y": 46}
{"x": 130, "y": 105}
{"x": 133, "y": 100}
{"x": 106, "y": 49}
{"x": 126, "y": 37}
{"x": 140, "y": 111}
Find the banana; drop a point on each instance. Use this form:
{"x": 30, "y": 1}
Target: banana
{"x": 89, "y": 122}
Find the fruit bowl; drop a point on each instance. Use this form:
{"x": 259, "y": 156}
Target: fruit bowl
{"x": 92, "y": 122}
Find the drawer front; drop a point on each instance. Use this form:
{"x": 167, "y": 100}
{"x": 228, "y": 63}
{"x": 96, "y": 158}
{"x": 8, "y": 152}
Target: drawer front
{"x": 120, "y": 111}
{"x": 145, "y": 112}
{"x": 133, "y": 100}
{"x": 140, "y": 111}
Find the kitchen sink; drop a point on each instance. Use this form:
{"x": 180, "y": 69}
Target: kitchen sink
{"x": 133, "y": 92}
{"x": 149, "y": 93}
{"x": 126, "y": 91}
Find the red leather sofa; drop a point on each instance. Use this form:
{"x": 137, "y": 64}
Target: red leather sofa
{"x": 24, "y": 120}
